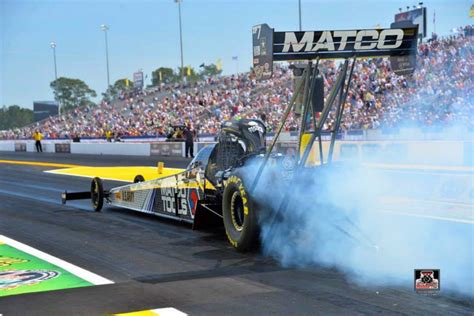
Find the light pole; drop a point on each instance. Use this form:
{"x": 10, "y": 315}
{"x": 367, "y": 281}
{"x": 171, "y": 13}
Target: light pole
{"x": 180, "y": 38}
{"x": 299, "y": 11}
{"x": 236, "y": 59}
{"x": 105, "y": 28}
{"x": 53, "y": 46}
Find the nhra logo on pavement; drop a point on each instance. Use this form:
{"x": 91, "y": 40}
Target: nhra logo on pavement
{"x": 14, "y": 278}
{"x": 427, "y": 280}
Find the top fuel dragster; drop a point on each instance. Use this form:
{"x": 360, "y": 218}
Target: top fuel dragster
{"x": 214, "y": 185}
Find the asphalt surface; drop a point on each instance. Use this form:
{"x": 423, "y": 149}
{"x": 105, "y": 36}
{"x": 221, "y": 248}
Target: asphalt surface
{"x": 160, "y": 263}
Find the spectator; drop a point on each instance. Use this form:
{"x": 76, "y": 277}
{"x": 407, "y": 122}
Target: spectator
{"x": 76, "y": 139}
{"x": 189, "y": 141}
{"x": 108, "y": 135}
{"x": 37, "y": 136}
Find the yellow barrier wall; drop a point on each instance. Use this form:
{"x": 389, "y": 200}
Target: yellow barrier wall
{"x": 453, "y": 153}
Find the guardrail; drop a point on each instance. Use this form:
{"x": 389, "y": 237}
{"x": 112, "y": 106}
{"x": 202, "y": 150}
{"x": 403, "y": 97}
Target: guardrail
{"x": 453, "y": 153}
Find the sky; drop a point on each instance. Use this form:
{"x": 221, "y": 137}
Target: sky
{"x": 144, "y": 34}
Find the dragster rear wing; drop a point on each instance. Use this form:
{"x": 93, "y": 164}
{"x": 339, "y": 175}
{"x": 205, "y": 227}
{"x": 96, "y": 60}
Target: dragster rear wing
{"x": 268, "y": 46}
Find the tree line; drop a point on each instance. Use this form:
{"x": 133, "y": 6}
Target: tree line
{"x": 168, "y": 75}
{"x": 71, "y": 93}
{"x": 14, "y": 116}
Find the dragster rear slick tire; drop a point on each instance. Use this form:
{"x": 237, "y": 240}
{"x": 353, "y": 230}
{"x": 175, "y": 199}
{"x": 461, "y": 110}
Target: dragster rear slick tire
{"x": 138, "y": 178}
{"x": 239, "y": 215}
{"x": 97, "y": 194}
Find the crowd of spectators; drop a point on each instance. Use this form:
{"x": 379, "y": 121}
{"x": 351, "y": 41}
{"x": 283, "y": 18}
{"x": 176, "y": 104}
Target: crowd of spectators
{"x": 439, "y": 93}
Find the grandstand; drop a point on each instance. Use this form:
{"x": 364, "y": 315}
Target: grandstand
{"x": 439, "y": 94}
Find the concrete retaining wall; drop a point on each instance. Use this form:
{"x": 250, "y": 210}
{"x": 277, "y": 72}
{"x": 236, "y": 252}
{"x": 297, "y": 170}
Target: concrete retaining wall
{"x": 175, "y": 149}
{"x": 46, "y": 146}
{"x": 7, "y": 146}
{"x": 126, "y": 149}
{"x": 63, "y": 147}
{"x": 452, "y": 153}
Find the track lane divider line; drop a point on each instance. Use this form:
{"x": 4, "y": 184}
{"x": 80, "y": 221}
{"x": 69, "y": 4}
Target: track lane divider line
{"x": 79, "y": 272}
{"x": 440, "y": 218}
{"x": 58, "y": 171}
{"x": 39, "y": 163}
{"x": 166, "y": 311}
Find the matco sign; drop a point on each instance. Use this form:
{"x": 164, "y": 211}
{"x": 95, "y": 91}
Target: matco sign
{"x": 270, "y": 46}
{"x": 341, "y": 40}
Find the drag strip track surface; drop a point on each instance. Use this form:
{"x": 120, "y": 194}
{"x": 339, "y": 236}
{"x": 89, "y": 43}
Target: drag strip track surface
{"x": 159, "y": 263}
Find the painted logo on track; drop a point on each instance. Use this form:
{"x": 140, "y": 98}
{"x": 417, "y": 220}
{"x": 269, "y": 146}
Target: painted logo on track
{"x": 7, "y": 261}
{"x": 14, "y": 278}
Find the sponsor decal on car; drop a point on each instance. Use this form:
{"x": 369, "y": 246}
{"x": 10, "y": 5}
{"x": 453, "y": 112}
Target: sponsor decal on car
{"x": 255, "y": 127}
{"x": 128, "y": 196}
{"x": 193, "y": 199}
{"x": 174, "y": 201}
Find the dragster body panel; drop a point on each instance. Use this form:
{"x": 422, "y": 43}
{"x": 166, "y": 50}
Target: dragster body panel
{"x": 175, "y": 196}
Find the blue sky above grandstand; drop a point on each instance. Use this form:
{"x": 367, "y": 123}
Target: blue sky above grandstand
{"x": 144, "y": 35}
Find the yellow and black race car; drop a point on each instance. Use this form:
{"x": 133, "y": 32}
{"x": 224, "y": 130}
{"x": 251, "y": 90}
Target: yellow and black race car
{"x": 210, "y": 187}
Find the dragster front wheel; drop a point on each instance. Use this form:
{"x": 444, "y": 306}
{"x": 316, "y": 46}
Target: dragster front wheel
{"x": 239, "y": 215}
{"x": 97, "y": 194}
